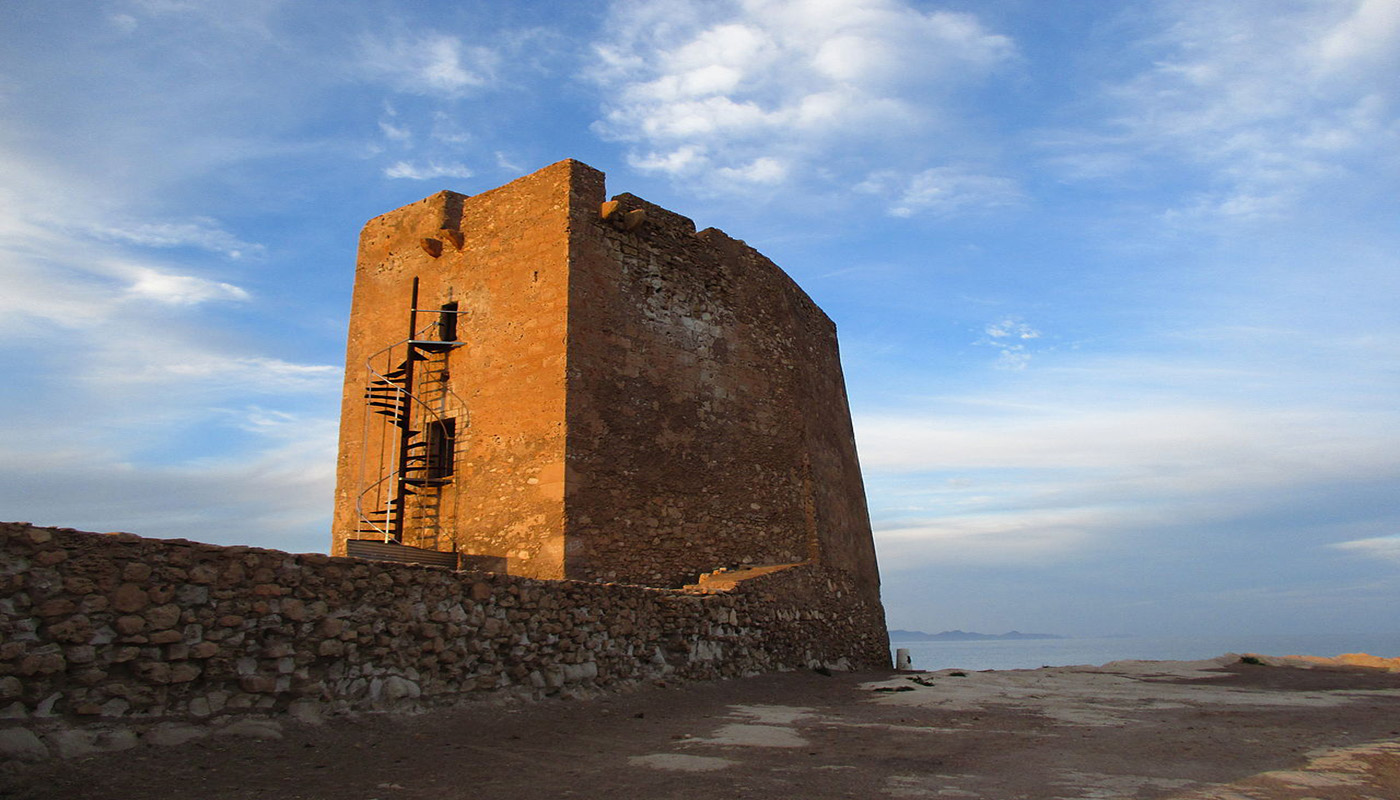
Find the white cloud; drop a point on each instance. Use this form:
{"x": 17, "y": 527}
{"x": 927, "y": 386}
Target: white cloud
{"x": 760, "y": 170}
{"x": 164, "y": 287}
{"x": 447, "y": 130}
{"x": 394, "y": 132}
{"x": 205, "y": 234}
{"x": 1367, "y": 39}
{"x": 682, "y": 159}
{"x": 417, "y": 172}
{"x": 755, "y": 91}
{"x": 1011, "y": 329}
{"x": 250, "y": 18}
{"x": 277, "y": 495}
{"x": 1010, "y": 338}
{"x": 70, "y": 266}
{"x": 505, "y": 162}
{"x": 1163, "y": 440}
{"x": 252, "y": 374}
{"x": 1267, "y": 98}
{"x": 134, "y": 376}
{"x": 139, "y": 151}
{"x": 1067, "y": 463}
{"x": 1380, "y": 547}
{"x": 430, "y": 64}
{"x": 990, "y": 538}
{"x": 941, "y": 191}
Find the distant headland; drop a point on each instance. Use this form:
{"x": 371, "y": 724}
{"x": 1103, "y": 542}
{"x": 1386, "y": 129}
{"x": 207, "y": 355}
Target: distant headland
{"x": 897, "y": 635}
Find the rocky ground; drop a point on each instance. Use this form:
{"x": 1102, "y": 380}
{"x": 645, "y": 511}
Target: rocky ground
{"x": 1216, "y": 730}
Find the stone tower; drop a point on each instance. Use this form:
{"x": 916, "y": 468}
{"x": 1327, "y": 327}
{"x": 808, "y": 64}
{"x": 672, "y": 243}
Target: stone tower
{"x": 562, "y": 387}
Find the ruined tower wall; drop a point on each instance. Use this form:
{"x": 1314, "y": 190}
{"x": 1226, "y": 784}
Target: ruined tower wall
{"x": 636, "y": 401}
{"x": 510, "y": 277}
{"x": 708, "y": 424}
{"x": 796, "y": 342}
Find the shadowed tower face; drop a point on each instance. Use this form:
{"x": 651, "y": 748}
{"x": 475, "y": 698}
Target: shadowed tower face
{"x": 563, "y": 387}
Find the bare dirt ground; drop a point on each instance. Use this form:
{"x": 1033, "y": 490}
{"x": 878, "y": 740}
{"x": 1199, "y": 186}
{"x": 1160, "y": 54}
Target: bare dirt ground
{"x": 1218, "y": 730}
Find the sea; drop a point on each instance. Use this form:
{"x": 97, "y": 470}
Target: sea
{"x": 1034, "y": 653}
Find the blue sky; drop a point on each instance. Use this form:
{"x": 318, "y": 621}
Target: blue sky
{"x": 1116, "y": 283}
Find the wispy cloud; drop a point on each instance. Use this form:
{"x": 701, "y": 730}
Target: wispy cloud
{"x": 1382, "y": 547}
{"x": 1011, "y": 338}
{"x": 139, "y": 356}
{"x": 992, "y": 538}
{"x": 1364, "y": 40}
{"x": 276, "y": 496}
{"x": 429, "y": 63}
{"x": 165, "y": 287}
{"x": 1268, "y": 99}
{"x": 942, "y": 191}
{"x": 393, "y": 131}
{"x": 1088, "y": 456}
{"x": 205, "y": 234}
{"x": 422, "y": 172}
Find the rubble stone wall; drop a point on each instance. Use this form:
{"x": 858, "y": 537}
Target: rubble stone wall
{"x": 116, "y": 633}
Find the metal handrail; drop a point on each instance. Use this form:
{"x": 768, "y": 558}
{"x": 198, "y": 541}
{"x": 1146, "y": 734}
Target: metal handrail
{"x": 406, "y": 402}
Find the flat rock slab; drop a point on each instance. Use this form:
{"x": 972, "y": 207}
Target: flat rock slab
{"x": 1216, "y": 730}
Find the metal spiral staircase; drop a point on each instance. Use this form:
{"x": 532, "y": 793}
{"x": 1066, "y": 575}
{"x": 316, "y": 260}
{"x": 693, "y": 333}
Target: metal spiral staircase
{"x": 412, "y": 424}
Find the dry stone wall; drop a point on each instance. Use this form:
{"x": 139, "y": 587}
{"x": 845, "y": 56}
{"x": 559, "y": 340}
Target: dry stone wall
{"x": 109, "y": 637}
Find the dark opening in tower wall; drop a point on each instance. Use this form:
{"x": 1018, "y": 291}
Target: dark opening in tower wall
{"x": 447, "y": 322}
{"x": 442, "y": 448}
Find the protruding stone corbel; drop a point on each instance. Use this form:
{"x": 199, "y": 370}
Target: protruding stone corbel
{"x": 431, "y": 246}
{"x": 611, "y": 211}
{"x": 457, "y": 238}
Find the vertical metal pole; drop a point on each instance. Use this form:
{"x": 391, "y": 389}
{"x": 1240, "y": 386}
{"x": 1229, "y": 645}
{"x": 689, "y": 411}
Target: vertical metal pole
{"x": 405, "y": 430}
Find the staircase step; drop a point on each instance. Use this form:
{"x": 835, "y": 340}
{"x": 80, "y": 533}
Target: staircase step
{"x": 432, "y": 346}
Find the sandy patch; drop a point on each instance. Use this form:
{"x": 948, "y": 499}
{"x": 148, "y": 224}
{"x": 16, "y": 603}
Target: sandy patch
{"x": 1366, "y": 771}
{"x": 1100, "y": 786}
{"x": 772, "y": 715}
{"x": 681, "y": 762}
{"x": 923, "y": 786}
{"x": 741, "y": 735}
{"x": 1345, "y": 660}
{"x": 1112, "y": 695}
{"x": 761, "y": 726}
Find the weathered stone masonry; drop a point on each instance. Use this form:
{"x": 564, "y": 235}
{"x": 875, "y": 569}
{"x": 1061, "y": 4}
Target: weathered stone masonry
{"x": 105, "y": 636}
{"x": 630, "y": 399}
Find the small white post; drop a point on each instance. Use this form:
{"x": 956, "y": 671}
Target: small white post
{"x": 901, "y": 659}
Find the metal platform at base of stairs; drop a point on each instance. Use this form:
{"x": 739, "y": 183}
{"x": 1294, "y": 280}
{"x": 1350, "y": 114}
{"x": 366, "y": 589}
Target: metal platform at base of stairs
{"x": 376, "y": 550}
